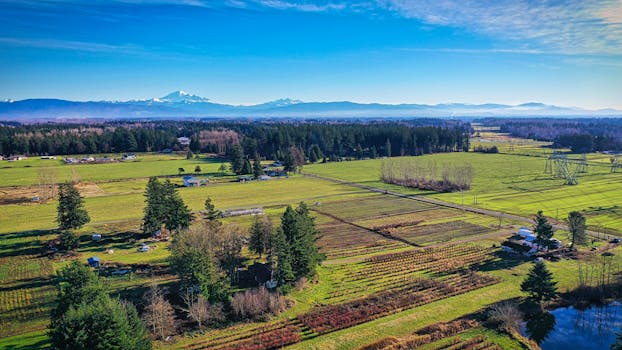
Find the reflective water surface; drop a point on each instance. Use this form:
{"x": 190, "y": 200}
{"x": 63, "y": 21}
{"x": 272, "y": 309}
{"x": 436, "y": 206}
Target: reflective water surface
{"x": 565, "y": 328}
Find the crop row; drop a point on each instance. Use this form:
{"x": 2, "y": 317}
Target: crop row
{"x": 274, "y": 339}
{"x": 424, "y": 336}
{"x": 478, "y": 342}
{"x": 238, "y": 335}
{"x": 333, "y": 317}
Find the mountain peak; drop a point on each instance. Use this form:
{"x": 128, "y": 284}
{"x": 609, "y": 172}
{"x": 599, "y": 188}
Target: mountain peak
{"x": 282, "y": 102}
{"x": 182, "y": 97}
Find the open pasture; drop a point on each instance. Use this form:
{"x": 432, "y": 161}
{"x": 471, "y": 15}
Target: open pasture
{"x": 26, "y": 172}
{"x": 514, "y": 184}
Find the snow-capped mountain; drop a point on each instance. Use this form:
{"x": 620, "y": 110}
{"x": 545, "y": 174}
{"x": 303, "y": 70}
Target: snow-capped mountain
{"x": 183, "y": 105}
{"x": 181, "y": 97}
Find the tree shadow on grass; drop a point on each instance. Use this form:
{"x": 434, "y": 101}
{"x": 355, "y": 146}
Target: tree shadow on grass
{"x": 32, "y": 246}
{"x": 503, "y": 261}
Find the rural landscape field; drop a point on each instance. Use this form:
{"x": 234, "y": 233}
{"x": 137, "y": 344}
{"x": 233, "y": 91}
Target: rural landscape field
{"x": 334, "y": 175}
{"x": 401, "y": 265}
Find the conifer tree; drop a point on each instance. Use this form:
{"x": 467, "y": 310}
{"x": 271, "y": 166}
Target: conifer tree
{"x": 237, "y": 159}
{"x": 282, "y": 257}
{"x": 178, "y": 215}
{"x": 155, "y": 210}
{"x": 576, "y": 227}
{"x": 71, "y": 213}
{"x": 257, "y": 169}
{"x": 543, "y": 229}
{"x": 260, "y": 235}
{"x": 300, "y": 235}
{"x": 539, "y": 283}
{"x": 211, "y": 213}
{"x": 247, "y": 168}
{"x": 105, "y": 323}
{"x": 164, "y": 207}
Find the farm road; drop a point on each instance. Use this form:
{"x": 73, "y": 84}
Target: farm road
{"x": 441, "y": 203}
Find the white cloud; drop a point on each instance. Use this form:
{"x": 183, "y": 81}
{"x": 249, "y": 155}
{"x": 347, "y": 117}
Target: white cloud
{"x": 572, "y": 27}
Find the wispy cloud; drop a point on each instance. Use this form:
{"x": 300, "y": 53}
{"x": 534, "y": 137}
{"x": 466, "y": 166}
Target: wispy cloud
{"x": 575, "y": 26}
{"x": 70, "y": 45}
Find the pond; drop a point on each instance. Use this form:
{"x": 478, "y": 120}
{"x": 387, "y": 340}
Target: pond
{"x": 564, "y": 328}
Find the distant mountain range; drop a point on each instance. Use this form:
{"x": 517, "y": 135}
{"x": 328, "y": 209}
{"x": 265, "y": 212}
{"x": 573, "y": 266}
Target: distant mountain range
{"x": 180, "y": 104}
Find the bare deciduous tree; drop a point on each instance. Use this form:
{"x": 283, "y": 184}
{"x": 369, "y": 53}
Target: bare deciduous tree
{"x": 159, "y": 316}
{"x": 201, "y": 311}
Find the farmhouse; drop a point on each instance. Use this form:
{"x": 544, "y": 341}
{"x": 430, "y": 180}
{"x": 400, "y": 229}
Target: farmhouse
{"x": 48, "y": 157}
{"x": 16, "y": 158}
{"x": 70, "y": 161}
{"x": 130, "y": 156}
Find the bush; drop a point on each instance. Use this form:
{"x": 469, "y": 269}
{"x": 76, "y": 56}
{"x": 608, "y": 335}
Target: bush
{"x": 69, "y": 240}
{"x": 506, "y": 315}
{"x": 257, "y": 304}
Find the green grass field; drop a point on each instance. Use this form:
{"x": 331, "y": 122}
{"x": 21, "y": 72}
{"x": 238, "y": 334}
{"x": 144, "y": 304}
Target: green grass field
{"x": 350, "y": 221}
{"x": 509, "y": 183}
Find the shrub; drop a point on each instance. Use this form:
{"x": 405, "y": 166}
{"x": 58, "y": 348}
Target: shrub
{"x": 69, "y": 240}
{"x": 257, "y": 304}
{"x": 506, "y": 315}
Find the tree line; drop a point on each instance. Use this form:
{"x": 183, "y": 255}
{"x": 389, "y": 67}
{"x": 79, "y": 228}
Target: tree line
{"x": 273, "y": 140}
{"x": 581, "y": 135}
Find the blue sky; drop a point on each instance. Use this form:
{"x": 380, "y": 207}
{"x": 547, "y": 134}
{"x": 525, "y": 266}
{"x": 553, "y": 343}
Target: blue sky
{"x": 249, "y": 51}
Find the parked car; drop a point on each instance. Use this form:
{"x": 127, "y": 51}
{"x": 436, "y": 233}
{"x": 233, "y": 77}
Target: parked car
{"x": 615, "y": 240}
{"x": 143, "y": 248}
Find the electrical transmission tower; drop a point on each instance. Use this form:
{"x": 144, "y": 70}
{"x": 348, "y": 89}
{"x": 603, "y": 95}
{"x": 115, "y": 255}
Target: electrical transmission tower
{"x": 558, "y": 165}
{"x": 616, "y": 164}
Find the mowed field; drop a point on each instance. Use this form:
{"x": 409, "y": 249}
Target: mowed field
{"x": 394, "y": 265}
{"x": 509, "y": 183}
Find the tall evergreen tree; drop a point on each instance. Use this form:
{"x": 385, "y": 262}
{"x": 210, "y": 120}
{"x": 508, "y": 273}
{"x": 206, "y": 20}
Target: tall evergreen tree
{"x": 257, "y": 169}
{"x": 76, "y": 284}
{"x": 71, "y": 213}
{"x": 247, "y": 168}
{"x": 576, "y": 227}
{"x": 387, "y": 148}
{"x": 237, "y": 159}
{"x": 165, "y": 207}
{"x": 260, "y": 235}
{"x": 539, "y": 283}
{"x": 300, "y": 235}
{"x": 211, "y": 213}
{"x": 155, "y": 210}
{"x": 281, "y": 255}
{"x": 178, "y": 215}
{"x": 543, "y": 229}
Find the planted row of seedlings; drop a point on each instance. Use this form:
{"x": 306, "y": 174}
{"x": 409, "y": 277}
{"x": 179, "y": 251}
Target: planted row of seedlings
{"x": 330, "y": 318}
{"x": 424, "y": 336}
{"x": 422, "y": 291}
{"x": 479, "y": 342}
{"x": 390, "y": 270}
{"x": 241, "y": 334}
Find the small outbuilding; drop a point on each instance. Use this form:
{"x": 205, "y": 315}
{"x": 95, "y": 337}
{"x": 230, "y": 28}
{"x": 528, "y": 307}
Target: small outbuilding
{"x": 93, "y": 261}
{"x": 96, "y": 237}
